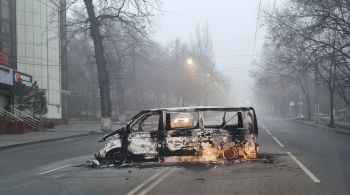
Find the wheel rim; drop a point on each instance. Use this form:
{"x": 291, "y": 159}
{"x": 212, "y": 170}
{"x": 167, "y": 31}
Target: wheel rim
{"x": 117, "y": 157}
{"x": 230, "y": 153}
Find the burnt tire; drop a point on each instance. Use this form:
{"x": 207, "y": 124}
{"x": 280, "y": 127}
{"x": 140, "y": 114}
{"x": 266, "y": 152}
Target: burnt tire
{"x": 116, "y": 157}
{"x": 230, "y": 153}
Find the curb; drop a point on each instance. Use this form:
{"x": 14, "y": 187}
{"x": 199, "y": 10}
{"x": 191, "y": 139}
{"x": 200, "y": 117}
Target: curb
{"x": 48, "y": 140}
{"x": 324, "y": 127}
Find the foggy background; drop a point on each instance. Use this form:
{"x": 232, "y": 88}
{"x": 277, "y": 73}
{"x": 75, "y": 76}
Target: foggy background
{"x": 232, "y": 26}
{"x": 201, "y": 53}
{"x": 148, "y": 62}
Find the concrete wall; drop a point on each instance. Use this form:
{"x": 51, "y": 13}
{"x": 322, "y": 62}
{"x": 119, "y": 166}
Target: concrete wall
{"x": 38, "y": 48}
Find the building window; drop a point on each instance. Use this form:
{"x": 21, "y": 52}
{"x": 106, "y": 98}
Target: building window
{"x": 7, "y": 33}
{"x": 5, "y": 10}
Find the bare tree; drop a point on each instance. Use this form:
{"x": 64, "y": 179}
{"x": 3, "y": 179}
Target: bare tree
{"x": 316, "y": 35}
{"x": 130, "y": 14}
{"x": 145, "y": 74}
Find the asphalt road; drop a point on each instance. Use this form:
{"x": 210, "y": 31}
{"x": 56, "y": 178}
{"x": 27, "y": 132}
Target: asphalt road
{"x": 295, "y": 159}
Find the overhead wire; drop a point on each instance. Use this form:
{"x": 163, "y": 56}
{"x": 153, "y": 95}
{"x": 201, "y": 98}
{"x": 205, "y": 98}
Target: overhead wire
{"x": 256, "y": 32}
{"x": 256, "y": 29}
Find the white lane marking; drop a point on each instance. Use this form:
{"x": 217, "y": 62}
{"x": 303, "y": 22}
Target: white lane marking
{"x": 58, "y": 176}
{"x": 306, "y": 170}
{"x": 262, "y": 125}
{"x": 137, "y": 188}
{"x": 156, "y": 182}
{"x": 54, "y": 169}
{"x": 268, "y": 131}
{"x": 278, "y": 141}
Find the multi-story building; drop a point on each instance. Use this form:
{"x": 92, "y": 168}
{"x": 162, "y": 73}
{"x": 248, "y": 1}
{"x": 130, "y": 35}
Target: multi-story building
{"x": 30, "y": 45}
{"x": 7, "y": 49}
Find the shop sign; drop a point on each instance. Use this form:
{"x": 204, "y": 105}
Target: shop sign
{"x": 22, "y": 78}
{"x": 6, "y": 76}
{"x": 4, "y": 59}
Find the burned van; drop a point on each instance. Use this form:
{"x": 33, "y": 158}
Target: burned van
{"x": 184, "y": 134}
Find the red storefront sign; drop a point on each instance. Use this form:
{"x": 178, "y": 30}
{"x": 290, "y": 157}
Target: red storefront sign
{"x": 22, "y": 78}
{"x": 4, "y": 59}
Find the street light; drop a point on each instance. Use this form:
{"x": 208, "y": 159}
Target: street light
{"x": 190, "y": 61}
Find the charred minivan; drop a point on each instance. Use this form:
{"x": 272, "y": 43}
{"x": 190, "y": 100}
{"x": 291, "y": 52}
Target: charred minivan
{"x": 184, "y": 134}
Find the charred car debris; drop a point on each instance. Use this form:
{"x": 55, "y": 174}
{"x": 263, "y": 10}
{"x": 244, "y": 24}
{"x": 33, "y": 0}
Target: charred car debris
{"x": 202, "y": 134}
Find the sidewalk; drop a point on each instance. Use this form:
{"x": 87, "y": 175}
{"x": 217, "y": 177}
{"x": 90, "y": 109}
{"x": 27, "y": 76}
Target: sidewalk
{"x": 340, "y": 127}
{"x": 46, "y": 135}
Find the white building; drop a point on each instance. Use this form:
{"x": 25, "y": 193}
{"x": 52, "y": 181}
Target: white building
{"x": 38, "y": 48}
{"x": 30, "y": 44}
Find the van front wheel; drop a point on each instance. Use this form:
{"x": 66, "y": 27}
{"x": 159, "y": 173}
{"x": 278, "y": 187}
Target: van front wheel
{"x": 116, "y": 157}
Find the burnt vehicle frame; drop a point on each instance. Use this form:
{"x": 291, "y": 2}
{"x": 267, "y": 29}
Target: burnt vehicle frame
{"x": 226, "y": 142}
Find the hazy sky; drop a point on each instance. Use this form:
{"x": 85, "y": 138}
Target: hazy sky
{"x": 232, "y": 25}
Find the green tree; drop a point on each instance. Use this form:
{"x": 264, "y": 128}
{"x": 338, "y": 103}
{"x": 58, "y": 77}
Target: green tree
{"x": 38, "y": 100}
{"x": 30, "y": 98}
{"x": 22, "y": 97}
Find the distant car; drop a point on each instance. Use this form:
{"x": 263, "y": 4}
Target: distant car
{"x": 184, "y": 134}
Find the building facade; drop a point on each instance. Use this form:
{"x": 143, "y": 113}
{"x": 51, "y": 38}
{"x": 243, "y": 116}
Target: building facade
{"x": 30, "y": 44}
{"x": 7, "y": 49}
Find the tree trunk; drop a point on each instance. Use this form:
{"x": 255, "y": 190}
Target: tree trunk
{"x": 317, "y": 95}
{"x": 308, "y": 102}
{"x": 304, "y": 85}
{"x": 331, "y": 106}
{"x": 343, "y": 95}
{"x": 94, "y": 104}
{"x": 331, "y": 92}
{"x": 103, "y": 77}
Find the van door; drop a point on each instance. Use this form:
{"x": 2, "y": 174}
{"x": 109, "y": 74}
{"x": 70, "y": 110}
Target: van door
{"x": 143, "y": 137}
{"x": 178, "y": 135}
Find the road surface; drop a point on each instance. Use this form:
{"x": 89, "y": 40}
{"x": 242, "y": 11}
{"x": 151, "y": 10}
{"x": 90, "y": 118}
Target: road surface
{"x": 295, "y": 159}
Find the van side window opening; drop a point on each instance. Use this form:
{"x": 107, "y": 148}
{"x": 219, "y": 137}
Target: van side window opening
{"x": 231, "y": 118}
{"x": 151, "y": 123}
{"x": 135, "y": 125}
{"x": 183, "y": 120}
{"x": 217, "y": 118}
